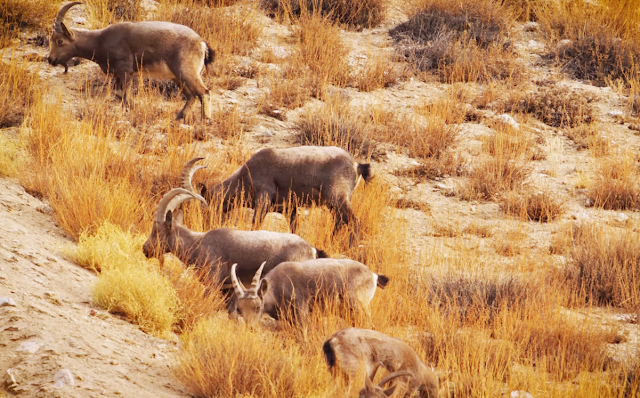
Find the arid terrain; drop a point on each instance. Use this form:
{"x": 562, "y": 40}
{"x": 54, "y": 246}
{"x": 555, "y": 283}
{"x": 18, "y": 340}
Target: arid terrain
{"x": 497, "y": 195}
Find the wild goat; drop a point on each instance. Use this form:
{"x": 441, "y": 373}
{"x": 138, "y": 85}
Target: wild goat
{"x": 158, "y": 49}
{"x": 217, "y": 249}
{"x": 351, "y": 350}
{"x": 291, "y": 288}
{"x": 326, "y": 175}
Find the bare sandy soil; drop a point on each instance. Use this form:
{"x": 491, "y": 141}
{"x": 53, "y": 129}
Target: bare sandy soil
{"x": 54, "y": 325}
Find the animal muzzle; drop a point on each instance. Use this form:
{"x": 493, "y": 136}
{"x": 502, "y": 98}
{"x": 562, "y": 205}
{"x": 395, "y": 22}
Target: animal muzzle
{"x": 148, "y": 253}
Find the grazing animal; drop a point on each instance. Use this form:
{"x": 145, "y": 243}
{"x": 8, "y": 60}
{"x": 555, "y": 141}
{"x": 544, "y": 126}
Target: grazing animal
{"x": 217, "y": 249}
{"x": 291, "y": 288}
{"x": 370, "y": 390}
{"x": 349, "y": 350}
{"x": 157, "y": 49}
{"x": 325, "y": 175}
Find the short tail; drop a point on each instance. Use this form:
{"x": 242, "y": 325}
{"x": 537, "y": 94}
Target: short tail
{"x": 329, "y": 354}
{"x": 383, "y": 281}
{"x": 321, "y": 253}
{"x": 364, "y": 169}
{"x": 209, "y": 56}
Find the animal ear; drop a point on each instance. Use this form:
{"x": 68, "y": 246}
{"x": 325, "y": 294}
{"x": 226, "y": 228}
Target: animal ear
{"x": 203, "y": 189}
{"x": 264, "y": 285}
{"x": 66, "y": 31}
{"x": 390, "y": 390}
{"x": 168, "y": 219}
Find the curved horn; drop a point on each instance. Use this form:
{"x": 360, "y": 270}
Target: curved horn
{"x": 368, "y": 384}
{"x": 187, "y": 173}
{"x": 173, "y": 199}
{"x": 234, "y": 281}
{"x": 393, "y": 375}
{"x": 256, "y": 278}
{"x": 57, "y": 23}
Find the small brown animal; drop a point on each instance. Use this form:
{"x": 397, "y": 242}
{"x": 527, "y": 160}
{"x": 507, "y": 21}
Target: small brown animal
{"x": 348, "y": 350}
{"x": 325, "y": 175}
{"x": 158, "y": 49}
{"x": 291, "y": 288}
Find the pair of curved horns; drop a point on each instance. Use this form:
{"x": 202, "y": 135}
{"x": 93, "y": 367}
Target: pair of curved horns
{"x": 174, "y": 198}
{"x": 237, "y": 285}
{"x": 369, "y": 381}
{"x": 57, "y": 23}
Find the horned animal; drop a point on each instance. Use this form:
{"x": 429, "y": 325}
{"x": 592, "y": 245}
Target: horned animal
{"x": 291, "y": 287}
{"x": 325, "y": 175}
{"x": 157, "y": 49}
{"x": 370, "y": 390}
{"x": 351, "y": 350}
{"x": 217, "y": 249}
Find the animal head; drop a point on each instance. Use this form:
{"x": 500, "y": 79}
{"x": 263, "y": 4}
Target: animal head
{"x": 62, "y": 40}
{"x": 162, "y": 239}
{"x": 370, "y": 390}
{"x": 250, "y": 302}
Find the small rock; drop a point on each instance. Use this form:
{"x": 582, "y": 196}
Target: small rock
{"x": 441, "y": 185}
{"x": 7, "y": 301}
{"x": 520, "y": 394}
{"x": 64, "y": 377}
{"x": 508, "y": 120}
{"x": 10, "y": 383}
{"x": 93, "y": 312}
{"x": 28, "y": 346}
{"x": 616, "y": 113}
{"x": 530, "y": 26}
{"x": 114, "y": 362}
{"x": 160, "y": 355}
{"x": 621, "y": 217}
{"x": 44, "y": 209}
{"x": 185, "y": 127}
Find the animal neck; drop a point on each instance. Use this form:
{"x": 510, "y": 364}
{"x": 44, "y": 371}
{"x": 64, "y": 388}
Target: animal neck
{"x": 186, "y": 245}
{"x": 85, "y": 42}
{"x": 234, "y": 187}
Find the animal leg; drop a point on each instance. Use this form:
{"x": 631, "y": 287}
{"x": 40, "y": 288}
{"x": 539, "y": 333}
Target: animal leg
{"x": 190, "y": 99}
{"x": 293, "y": 219}
{"x": 261, "y": 208}
{"x": 192, "y": 83}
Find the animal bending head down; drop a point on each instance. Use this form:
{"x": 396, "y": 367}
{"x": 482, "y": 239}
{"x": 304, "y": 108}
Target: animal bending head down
{"x": 250, "y": 304}
{"x": 62, "y": 40}
{"x": 163, "y": 237}
{"x": 371, "y": 390}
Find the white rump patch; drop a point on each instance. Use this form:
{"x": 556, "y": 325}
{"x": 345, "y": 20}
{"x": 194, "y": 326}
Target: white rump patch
{"x": 372, "y": 289}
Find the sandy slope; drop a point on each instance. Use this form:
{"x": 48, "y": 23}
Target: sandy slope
{"x": 107, "y": 355}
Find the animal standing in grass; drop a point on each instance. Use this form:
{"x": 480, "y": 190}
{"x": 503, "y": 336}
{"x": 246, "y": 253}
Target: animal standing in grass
{"x": 353, "y": 350}
{"x": 325, "y": 175}
{"x": 157, "y": 49}
{"x": 217, "y": 249}
{"x": 292, "y": 287}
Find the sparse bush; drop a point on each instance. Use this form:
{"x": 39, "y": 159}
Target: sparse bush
{"x": 377, "y": 72}
{"x": 616, "y": 183}
{"x": 17, "y": 91}
{"x": 540, "y": 206}
{"x": 605, "y": 265}
{"x": 17, "y": 15}
{"x": 356, "y": 14}
{"x": 9, "y": 156}
{"x": 335, "y": 124}
{"x": 495, "y": 175}
{"x": 560, "y": 107}
{"x": 467, "y": 41}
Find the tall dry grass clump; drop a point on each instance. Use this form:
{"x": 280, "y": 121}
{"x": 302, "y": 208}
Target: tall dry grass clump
{"x": 17, "y": 16}
{"x": 531, "y": 204}
{"x": 10, "y": 156}
{"x": 465, "y": 41}
{"x": 605, "y": 265}
{"x": 559, "y": 106}
{"x": 18, "y": 88}
{"x": 356, "y": 14}
{"x": 596, "y": 41}
{"x": 615, "y": 184}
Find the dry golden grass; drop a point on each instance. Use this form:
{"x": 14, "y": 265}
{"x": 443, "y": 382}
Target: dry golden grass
{"x": 604, "y": 265}
{"x": 560, "y": 106}
{"x": 615, "y": 184}
{"x": 533, "y": 205}
{"x": 10, "y": 156}
{"x": 464, "y": 42}
{"x": 356, "y": 14}
{"x": 376, "y": 71}
{"x": 17, "y": 91}
{"x": 20, "y": 15}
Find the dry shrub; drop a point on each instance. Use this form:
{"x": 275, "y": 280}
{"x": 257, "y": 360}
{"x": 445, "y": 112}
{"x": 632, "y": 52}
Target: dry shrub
{"x": 10, "y": 156}
{"x": 587, "y": 136}
{"x": 615, "y": 184}
{"x": 494, "y": 175}
{"x": 19, "y": 15}
{"x": 335, "y": 124}
{"x": 377, "y": 72}
{"x": 225, "y": 359}
{"x": 231, "y": 121}
{"x": 17, "y": 91}
{"x": 605, "y": 265}
{"x": 466, "y": 41}
{"x": 356, "y": 14}
{"x": 289, "y": 88}
{"x": 560, "y": 106}
{"x": 482, "y": 296}
{"x": 509, "y": 142}
{"x": 533, "y": 205}
{"x": 102, "y": 13}
{"x": 321, "y": 49}
{"x": 127, "y": 283}
{"x": 593, "y": 41}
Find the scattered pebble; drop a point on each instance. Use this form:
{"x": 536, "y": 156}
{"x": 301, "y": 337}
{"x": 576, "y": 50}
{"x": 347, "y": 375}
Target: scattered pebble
{"x": 520, "y": 394}
{"x": 7, "y": 301}
{"x": 64, "y": 377}
{"x": 616, "y": 113}
{"x": 508, "y": 120}
{"x": 28, "y": 346}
